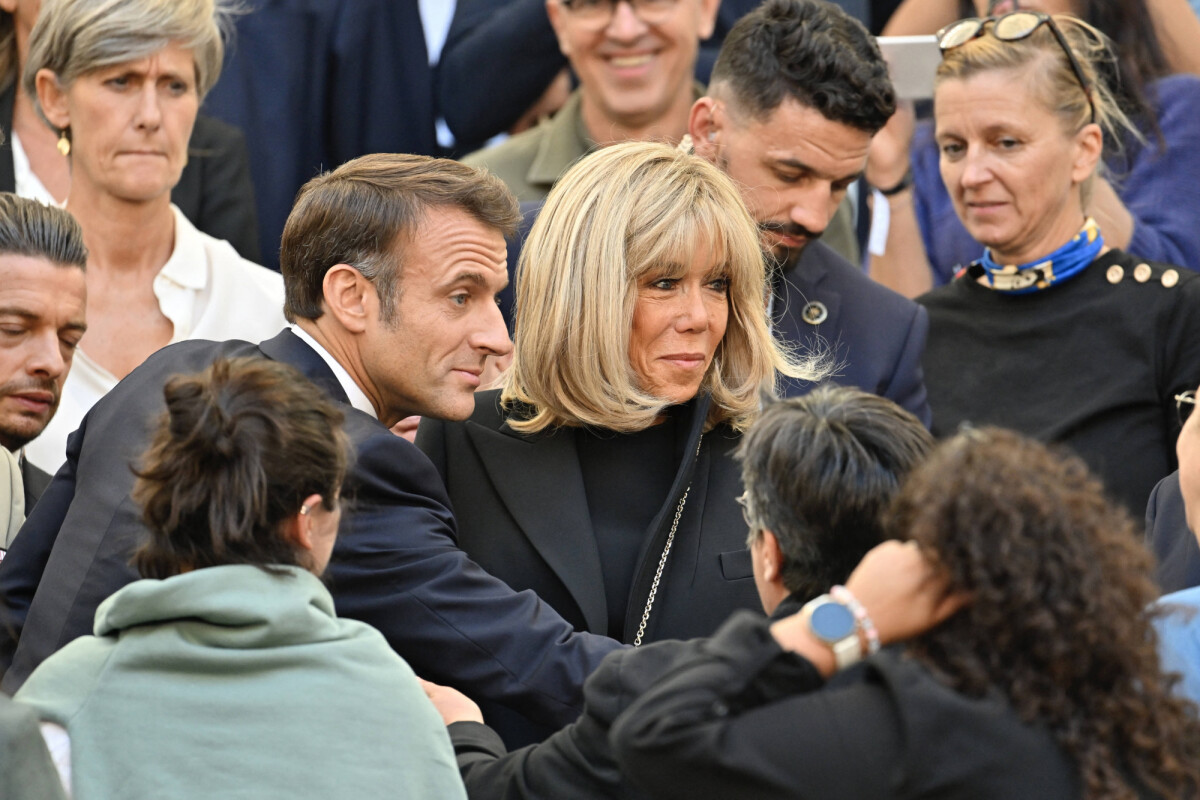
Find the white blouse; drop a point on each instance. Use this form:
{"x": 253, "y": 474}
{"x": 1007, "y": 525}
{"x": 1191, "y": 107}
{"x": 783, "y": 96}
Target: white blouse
{"x": 207, "y": 291}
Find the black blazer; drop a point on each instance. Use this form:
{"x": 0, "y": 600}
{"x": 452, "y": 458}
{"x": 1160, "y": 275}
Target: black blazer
{"x": 214, "y": 191}
{"x": 523, "y": 515}
{"x": 395, "y": 565}
{"x": 34, "y": 482}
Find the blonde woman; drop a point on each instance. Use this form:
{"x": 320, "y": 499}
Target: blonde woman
{"x": 600, "y": 474}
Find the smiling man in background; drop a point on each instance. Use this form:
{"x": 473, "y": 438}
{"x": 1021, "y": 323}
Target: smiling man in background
{"x": 634, "y": 60}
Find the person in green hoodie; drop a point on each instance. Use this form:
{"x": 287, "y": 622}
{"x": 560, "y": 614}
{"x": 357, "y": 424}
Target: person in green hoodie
{"x": 225, "y": 672}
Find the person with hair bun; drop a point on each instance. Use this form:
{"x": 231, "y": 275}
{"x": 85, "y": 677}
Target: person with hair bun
{"x": 225, "y": 671}
{"x": 1028, "y": 666}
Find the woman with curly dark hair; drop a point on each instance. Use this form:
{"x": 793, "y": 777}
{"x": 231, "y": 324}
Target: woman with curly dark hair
{"x": 1046, "y": 684}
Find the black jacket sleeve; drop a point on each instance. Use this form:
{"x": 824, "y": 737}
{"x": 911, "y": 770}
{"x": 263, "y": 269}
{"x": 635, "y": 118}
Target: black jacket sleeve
{"x": 396, "y": 566}
{"x": 742, "y": 718}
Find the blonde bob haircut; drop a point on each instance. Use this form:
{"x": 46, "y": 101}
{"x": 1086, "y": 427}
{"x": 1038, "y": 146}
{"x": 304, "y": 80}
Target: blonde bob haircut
{"x": 617, "y": 216}
{"x": 74, "y": 37}
{"x": 1048, "y": 74}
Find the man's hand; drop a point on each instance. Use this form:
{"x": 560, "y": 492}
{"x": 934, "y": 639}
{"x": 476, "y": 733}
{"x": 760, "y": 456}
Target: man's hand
{"x": 888, "y": 159}
{"x": 453, "y": 705}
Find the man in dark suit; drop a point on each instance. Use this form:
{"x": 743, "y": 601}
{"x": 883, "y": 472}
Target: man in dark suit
{"x": 391, "y": 266}
{"x": 42, "y": 303}
{"x": 798, "y": 91}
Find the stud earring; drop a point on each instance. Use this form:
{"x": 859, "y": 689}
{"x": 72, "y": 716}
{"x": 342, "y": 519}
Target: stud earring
{"x": 64, "y": 144}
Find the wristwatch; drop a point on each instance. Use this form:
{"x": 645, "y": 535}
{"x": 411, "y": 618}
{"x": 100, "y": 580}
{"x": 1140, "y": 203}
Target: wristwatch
{"x": 834, "y": 624}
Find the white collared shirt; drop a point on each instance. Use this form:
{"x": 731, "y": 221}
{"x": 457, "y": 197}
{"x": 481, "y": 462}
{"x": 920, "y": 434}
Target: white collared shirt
{"x": 358, "y": 398}
{"x": 26, "y": 183}
{"x": 207, "y": 291}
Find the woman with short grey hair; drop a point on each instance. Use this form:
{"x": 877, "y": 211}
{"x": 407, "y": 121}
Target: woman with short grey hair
{"x": 120, "y": 82}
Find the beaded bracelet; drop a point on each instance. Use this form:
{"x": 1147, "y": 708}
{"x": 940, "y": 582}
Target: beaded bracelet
{"x": 865, "y": 624}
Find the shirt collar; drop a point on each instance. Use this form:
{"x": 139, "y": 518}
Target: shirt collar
{"x": 183, "y": 268}
{"x": 357, "y": 396}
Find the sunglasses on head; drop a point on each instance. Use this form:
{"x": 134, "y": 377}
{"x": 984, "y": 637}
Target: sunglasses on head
{"x": 1013, "y": 27}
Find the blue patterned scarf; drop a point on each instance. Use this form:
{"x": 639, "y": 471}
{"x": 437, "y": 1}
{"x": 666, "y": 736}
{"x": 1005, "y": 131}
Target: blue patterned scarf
{"x": 1065, "y": 262}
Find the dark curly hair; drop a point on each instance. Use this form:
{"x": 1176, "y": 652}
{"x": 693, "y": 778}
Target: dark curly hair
{"x": 811, "y": 51}
{"x": 239, "y": 448}
{"x": 1061, "y": 611}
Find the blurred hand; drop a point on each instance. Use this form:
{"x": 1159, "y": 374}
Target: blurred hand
{"x": 453, "y": 705}
{"x": 888, "y": 159}
{"x": 904, "y": 594}
{"x": 407, "y": 428}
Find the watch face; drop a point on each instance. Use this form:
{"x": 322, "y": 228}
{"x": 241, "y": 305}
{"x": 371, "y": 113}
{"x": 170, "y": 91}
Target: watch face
{"x": 832, "y": 622}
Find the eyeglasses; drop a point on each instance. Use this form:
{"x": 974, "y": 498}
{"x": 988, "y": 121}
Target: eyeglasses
{"x": 743, "y": 500}
{"x": 1185, "y": 403}
{"x": 598, "y": 13}
{"x": 1013, "y": 27}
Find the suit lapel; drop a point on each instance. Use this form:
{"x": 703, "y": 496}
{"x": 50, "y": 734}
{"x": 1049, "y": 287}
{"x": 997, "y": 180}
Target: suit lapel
{"x": 796, "y": 288}
{"x": 547, "y": 499}
{"x": 291, "y": 349}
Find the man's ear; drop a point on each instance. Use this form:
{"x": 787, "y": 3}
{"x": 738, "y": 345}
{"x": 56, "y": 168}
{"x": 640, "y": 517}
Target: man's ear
{"x": 554, "y": 12}
{"x": 772, "y": 558}
{"x": 704, "y": 128}
{"x": 53, "y": 98}
{"x": 708, "y": 18}
{"x": 349, "y": 297}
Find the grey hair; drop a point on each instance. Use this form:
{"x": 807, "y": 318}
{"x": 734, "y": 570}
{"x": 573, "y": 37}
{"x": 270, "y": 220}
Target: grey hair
{"x": 33, "y": 229}
{"x": 75, "y": 37}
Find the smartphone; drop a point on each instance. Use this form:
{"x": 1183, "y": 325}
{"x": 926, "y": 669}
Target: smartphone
{"x": 912, "y": 62}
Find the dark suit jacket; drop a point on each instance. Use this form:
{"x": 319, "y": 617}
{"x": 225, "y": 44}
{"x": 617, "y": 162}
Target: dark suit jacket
{"x": 1170, "y": 539}
{"x": 876, "y": 336}
{"x": 315, "y": 83}
{"x": 34, "y": 482}
{"x": 523, "y": 515}
{"x": 214, "y": 191}
{"x": 395, "y": 565}
{"x": 577, "y": 761}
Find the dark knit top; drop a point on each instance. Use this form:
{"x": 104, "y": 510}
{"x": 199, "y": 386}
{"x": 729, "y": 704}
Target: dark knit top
{"x": 1088, "y": 363}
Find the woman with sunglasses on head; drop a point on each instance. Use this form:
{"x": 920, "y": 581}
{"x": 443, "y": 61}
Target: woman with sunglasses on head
{"x": 1146, "y": 195}
{"x": 1052, "y": 331}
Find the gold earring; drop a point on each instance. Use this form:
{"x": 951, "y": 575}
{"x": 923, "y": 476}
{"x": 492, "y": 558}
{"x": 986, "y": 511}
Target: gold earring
{"x": 64, "y": 144}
